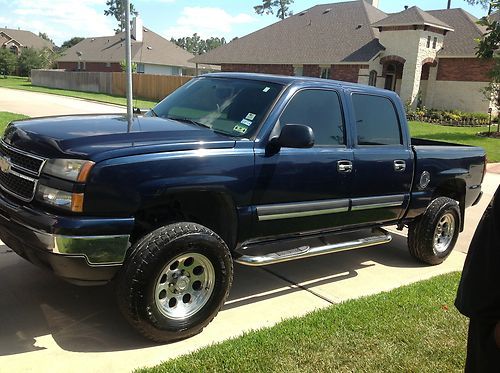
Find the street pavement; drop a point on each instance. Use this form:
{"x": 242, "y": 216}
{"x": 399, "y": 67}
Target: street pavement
{"x": 49, "y": 325}
{"x": 34, "y": 104}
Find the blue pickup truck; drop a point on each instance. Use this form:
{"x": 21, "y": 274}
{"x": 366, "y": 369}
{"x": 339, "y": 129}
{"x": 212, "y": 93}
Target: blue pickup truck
{"x": 250, "y": 168}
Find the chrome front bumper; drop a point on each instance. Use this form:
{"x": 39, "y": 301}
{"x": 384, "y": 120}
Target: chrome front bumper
{"x": 97, "y": 250}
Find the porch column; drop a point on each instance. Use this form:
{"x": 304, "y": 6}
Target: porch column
{"x": 410, "y": 83}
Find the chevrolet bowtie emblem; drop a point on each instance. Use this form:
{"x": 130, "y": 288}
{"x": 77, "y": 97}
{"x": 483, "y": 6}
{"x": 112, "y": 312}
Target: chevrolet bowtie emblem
{"x": 5, "y": 164}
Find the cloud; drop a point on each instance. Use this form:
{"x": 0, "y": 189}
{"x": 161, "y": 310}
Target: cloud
{"x": 207, "y": 22}
{"x": 61, "y": 19}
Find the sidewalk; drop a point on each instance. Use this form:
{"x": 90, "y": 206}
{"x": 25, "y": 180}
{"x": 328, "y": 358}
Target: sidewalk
{"x": 35, "y": 104}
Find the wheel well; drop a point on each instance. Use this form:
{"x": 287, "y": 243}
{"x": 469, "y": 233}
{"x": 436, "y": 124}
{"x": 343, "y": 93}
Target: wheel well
{"x": 214, "y": 210}
{"x": 454, "y": 189}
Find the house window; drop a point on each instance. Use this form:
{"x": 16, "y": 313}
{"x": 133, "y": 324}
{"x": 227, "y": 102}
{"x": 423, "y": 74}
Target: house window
{"x": 298, "y": 71}
{"x": 434, "y": 43}
{"x": 140, "y": 68}
{"x": 14, "y": 49}
{"x": 325, "y": 73}
{"x": 373, "y": 78}
{"x": 84, "y": 65}
{"x": 108, "y": 64}
{"x": 428, "y": 41}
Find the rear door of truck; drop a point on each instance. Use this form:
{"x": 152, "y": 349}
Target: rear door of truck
{"x": 383, "y": 159}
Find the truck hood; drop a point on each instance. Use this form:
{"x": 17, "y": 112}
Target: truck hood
{"x": 99, "y": 137}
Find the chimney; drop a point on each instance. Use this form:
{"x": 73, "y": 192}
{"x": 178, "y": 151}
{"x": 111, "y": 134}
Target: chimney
{"x": 373, "y": 2}
{"x": 137, "y": 29}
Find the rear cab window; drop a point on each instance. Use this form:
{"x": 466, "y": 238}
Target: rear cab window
{"x": 377, "y": 120}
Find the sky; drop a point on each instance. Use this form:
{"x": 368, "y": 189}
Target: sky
{"x": 64, "y": 19}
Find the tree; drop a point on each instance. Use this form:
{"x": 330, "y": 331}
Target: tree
{"x": 488, "y": 49}
{"x": 196, "y": 45}
{"x": 116, "y": 9}
{"x": 8, "y": 62}
{"x": 486, "y": 4}
{"x": 31, "y": 58}
{"x": 44, "y": 36}
{"x": 71, "y": 42}
{"x": 281, "y": 7}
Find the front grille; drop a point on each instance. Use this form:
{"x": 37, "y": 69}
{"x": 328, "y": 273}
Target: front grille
{"x": 21, "y": 160}
{"x": 19, "y": 185}
{"x": 20, "y": 179}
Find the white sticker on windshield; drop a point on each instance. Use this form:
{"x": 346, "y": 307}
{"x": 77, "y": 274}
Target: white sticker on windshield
{"x": 250, "y": 116}
{"x": 240, "y": 129}
{"x": 266, "y": 89}
{"x": 246, "y": 122}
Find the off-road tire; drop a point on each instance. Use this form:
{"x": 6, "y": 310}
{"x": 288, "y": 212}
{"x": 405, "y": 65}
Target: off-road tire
{"x": 421, "y": 231}
{"x": 136, "y": 283}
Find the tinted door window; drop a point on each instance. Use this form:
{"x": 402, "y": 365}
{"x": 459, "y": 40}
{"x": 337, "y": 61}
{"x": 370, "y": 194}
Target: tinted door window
{"x": 376, "y": 120}
{"x": 320, "y": 110}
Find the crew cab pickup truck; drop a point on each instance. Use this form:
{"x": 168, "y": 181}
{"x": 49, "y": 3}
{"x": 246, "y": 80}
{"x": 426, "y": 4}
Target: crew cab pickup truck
{"x": 250, "y": 168}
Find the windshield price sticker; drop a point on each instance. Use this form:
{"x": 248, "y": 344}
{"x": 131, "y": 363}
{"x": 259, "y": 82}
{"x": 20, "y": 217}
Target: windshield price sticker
{"x": 246, "y": 122}
{"x": 266, "y": 89}
{"x": 250, "y": 116}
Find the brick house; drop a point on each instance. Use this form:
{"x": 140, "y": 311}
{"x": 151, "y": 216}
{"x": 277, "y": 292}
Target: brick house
{"x": 425, "y": 56}
{"x": 152, "y": 53}
{"x": 16, "y": 40}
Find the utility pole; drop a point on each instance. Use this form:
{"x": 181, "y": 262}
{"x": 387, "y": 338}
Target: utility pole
{"x": 449, "y": 4}
{"x": 128, "y": 60}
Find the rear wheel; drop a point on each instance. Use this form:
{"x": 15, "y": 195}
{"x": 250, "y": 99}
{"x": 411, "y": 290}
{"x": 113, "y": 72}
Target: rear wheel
{"x": 175, "y": 281}
{"x": 432, "y": 237}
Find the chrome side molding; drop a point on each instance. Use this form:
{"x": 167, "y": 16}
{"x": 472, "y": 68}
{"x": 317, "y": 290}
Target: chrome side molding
{"x": 301, "y": 252}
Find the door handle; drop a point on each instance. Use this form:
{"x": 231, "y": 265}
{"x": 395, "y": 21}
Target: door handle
{"x": 344, "y": 166}
{"x": 399, "y": 165}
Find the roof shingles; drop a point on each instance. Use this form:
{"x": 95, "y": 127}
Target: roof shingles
{"x": 343, "y": 34}
{"x": 412, "y": 16}
{"x": 153, "y": 50}
{"x": 26, "y": 38}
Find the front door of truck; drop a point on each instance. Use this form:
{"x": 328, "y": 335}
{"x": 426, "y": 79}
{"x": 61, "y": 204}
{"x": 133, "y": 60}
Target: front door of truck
{"x": 300, "y": 190}
{"x": 383, "y": 160}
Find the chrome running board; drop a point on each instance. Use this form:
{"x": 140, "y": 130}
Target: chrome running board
{"x": 305, "y": 251}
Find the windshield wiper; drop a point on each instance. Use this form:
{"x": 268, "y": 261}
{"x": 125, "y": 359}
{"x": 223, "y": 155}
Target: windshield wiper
{"x": 154, "y": 112}
{"x": 188, "y": 120}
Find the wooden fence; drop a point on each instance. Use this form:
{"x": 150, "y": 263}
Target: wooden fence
{"x": 152, "y": 87}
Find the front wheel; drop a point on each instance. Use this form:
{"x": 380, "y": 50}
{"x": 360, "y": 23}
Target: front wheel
{"x": 432, "y": 237}
{"x": 175, "y": 281}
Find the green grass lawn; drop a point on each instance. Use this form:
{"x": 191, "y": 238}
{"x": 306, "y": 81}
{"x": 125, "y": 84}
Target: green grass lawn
{"x": 411, "y": 329}
{"x": 461, "y": 135}
{"x": 16, "y": 82}
{"x": 6, "y": 117}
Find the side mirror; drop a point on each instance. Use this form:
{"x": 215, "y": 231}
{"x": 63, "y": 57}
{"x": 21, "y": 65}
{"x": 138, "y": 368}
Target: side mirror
{"x": 295, "y": 136}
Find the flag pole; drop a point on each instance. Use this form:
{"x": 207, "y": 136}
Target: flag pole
{"x": 128, "y": 60}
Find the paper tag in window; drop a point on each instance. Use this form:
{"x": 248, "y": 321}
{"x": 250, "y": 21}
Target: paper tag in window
{"x": 266, "y": 89}
{"x": 240, "y": 129}
{"x": 246, "y": 122}
{"x": 250, "y": 116}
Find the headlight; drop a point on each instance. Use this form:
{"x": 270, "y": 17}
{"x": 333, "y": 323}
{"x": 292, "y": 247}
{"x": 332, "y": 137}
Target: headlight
{"x": 69, "y": 169}
{"x": 60, "y": 198}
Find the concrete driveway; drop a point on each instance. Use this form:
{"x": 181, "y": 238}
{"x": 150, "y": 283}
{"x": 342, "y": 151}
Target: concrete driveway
{"x": 49, "y": 325}
{"x": 34, "y": 104}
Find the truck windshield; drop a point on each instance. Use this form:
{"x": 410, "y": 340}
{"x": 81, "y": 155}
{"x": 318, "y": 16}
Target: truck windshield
{"x": 234, "y": 107}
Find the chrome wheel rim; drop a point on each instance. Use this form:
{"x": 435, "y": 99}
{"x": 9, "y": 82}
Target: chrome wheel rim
{"x": 184, "y": 285}
{"x": 444, "y": 232}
